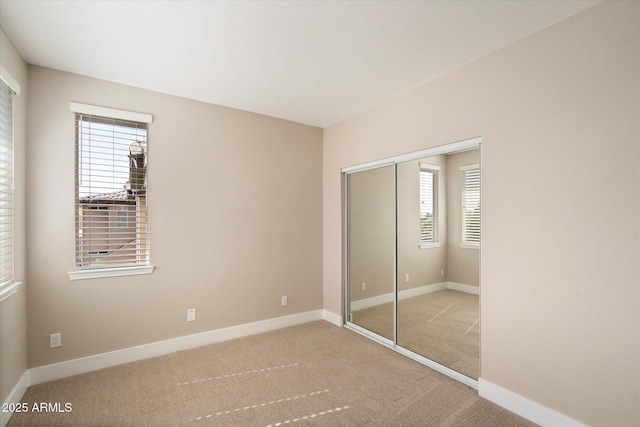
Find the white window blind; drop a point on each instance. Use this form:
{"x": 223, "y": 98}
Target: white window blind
{"x": 470, "y": 205}
{"x": 111, "y": 192}
{"x": 428, "y": 205}
{"x": 6, "y": 185}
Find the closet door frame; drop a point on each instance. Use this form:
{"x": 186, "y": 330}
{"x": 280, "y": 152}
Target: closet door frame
{"x": 468, "y": 144}
{"x": 391, "y": 343}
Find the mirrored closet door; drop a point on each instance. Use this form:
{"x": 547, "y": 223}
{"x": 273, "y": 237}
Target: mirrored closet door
{"x": 412, "y": 244}
{"x": 371, "y": 250}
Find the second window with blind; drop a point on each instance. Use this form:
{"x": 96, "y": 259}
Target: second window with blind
{"x": 6, "y": 191}
{"x": 429, "y": 233}
{"x": 470, "y": 206}
{"x": 111, "y": 192}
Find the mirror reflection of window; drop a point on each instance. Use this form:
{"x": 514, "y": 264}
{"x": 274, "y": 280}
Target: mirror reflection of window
{"x": 428, "y": 204}
{"x": 470, "y": 205}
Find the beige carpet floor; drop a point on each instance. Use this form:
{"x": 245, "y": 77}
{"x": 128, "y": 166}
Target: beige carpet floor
{"x": 442, "y": 326}
{"x": 314, "y": 374}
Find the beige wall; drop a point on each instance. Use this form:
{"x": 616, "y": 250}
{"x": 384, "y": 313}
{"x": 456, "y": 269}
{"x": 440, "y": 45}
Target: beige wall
{"x": 235, "y": 203}
{"x": 13, "y": 311}
{"x": 559, "y": 116}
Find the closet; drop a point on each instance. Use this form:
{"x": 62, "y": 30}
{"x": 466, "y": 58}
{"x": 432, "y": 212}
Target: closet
{"x": 412, "y": 255}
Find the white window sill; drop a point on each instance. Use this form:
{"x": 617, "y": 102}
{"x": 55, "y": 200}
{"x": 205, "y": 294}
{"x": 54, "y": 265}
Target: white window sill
{"x": 429, "y": 245}
{"x": 468, "y": 246}
{"x": 8, "y": 290}
{"x": 109, "y": 272}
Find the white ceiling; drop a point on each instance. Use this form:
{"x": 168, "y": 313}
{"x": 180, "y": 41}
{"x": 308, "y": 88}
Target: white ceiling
{"x": 313, "y": 62}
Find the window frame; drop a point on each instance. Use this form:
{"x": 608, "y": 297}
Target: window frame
{"x": 87, "y": 272}
{"x": 11, "y": 87}
{"x": 435, "y": 171}
{"x": 465, "y": 242}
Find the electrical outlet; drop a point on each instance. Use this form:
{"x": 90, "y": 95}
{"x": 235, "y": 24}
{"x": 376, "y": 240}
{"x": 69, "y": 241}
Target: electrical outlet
{"x": 442, "y": 272}
{"x": 55, "y": 340}
{"x": 284, "y": 300}
{"x": 191, "y": 315}
{"x": 363, "y": 287}
{"x": 406, "y": 277}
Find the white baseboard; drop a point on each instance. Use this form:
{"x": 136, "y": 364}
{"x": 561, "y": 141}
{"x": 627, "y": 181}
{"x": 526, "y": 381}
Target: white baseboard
{"x": 507, "y": 399}
{"x": 421, "y": 290}
{"x": 385, "y": 298}
{"x": 413, "y": 292}
{"x": 371, "y": 302}
{"x": 463, "y": 288}
{"x": 333, "y": 318}
{"x": 524, "y": 407}
{"x": 82, "y": 365}
{"x": 15, "y": 396}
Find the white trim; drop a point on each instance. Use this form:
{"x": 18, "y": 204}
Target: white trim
{"x": 413, "y": 292}
{"x": 524, "y": 407}
{"x": 113, "y": 113}
{"x": 470, "y": 167}
{"x": 414, "y": 356}
{"x": 429, "y": 245}
{"x": 421, "y": 290}
{"x": 467, "y": 144}
{"x": 371, "y": 335}
{"x": 82, "y": 365}
{"x": 438, "y": 367}
{"x": 8, "y": 290}
{"x": 429, "y": 166}
{"x": 503, "y": 397}
{"x": 333, "y": 318}
{"x": 470, "y": 246}
{"x": 368, "y": 166}
{"x": 109, "y": 272}
{"x": 386, "y": 298}
{"x": 475, "y": 290}
{"x": 15, "y": 396}
{"x": 371, "y": 301}
{"x": 9, "y": 80}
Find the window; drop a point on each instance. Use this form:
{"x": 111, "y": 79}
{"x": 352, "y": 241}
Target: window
{"x": 123, "y": 217}
{"x": 7, "y": 284}
{"x": 470, "y": 206}
{"x": 111, "y": 190}
{"x": 429, "y": 205}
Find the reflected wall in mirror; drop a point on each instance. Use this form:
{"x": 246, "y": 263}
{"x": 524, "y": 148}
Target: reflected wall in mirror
{"x": 438, "y": 259}
{"x": 371, "y": 251}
